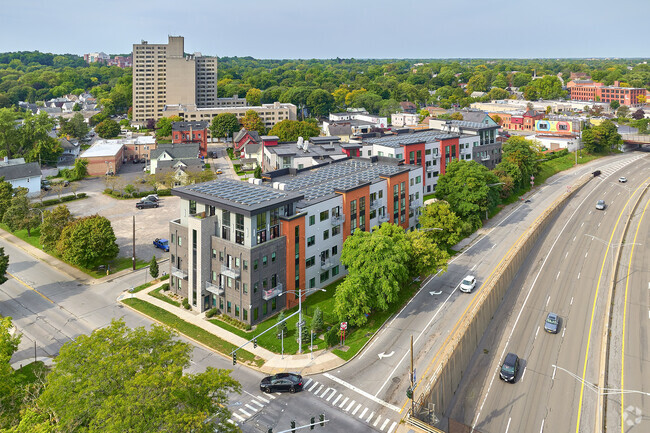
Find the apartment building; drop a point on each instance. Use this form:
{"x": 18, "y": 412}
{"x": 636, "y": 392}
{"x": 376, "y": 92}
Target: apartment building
{"x": 587, "y": 90}
{"x": 191, "y": 132}
{"x": 485, "y": 148}
{"x": 164, "y": 75}
{"x": 251, "y": 249}
{"x": 269, "y": 113}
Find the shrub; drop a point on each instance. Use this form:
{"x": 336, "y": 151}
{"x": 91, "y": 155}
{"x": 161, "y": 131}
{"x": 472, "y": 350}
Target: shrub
{"x": 206, "y": 165}
{"x": 164, "y": 287}
{"x": 317, "y": 323}
{"x": 234, "y": 322}
{"x": 211, "y": 312}
{"x": 186, "y": 304}
{"x": 332, "y": 337}
{"x": 164, "y": 192}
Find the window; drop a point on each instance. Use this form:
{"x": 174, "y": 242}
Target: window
{"x": 265, "y": 309}
{"x": 245, "y": 265}
{"x": 245, "y": 286}
{"x": 244, "y": 314}
{"x": 214, "y": 254}
{"x": 336, "y": 230}
{"x": 312, "y": 220}
{"x": 229, "y": 305}
{"x": 237, "y": 262}
{"x": 272, "y": 257}
{"x": 236, "y": 310}
{"x": 172, "y": 239}
{"x": 255, "y": 262}
{"x": 311, "y": 241}
{"x": 256, "y": 286}
{"x": 265, "y": 261}
{"x": 335, "y": 250}
{"x": 255, "y": 313}
{"x": 335, "y": 271}
{"x": 310, "y": 262}
{"x": 179, "y": 241}
{"x": 326, "y": 235}
{"x": 324, "y": 215}
{"x": 324, "y": 276}
{"x": 312, "y": 283}
{"x": 273, "y": 304}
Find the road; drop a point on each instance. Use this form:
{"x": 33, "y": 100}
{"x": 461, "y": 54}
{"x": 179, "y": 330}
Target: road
{"x": 569, "y": 275}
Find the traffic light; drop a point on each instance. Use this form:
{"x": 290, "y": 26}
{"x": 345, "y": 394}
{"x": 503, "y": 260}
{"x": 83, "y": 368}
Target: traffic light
{"x": 313, "y": 421}
{"x": 322, "y": 419}
{"x": 270, "y": 430}
{"x": 255, "y": 343}
{"x": 409, "y": 392}
{"x": 234, "y": 358}
{"x": 293, "y": 426}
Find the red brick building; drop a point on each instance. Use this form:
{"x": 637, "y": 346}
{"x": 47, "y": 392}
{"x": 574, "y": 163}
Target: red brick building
{"x": 191, "y": 132}
{"x": 587, "y": 90}
{"x": 519, "y": 122}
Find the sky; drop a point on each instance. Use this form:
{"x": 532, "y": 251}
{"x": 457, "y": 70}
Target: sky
{"x": 299, "y": 29}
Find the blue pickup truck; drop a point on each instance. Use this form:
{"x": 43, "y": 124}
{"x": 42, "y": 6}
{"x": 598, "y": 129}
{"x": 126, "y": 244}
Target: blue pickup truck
{"x": 163, "y": 244}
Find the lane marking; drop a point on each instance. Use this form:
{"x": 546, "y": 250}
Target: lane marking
{"x": 523, "y": 374}
{"x": 257, "y": 403}
{"x": 563, "y": 329}
{"x": 365, "y": 409}
{"x": 331, "y": 395}
{"x": 508, "y": 426}
{"x": 251, "y": 407}
{"x": 319, "y": 389}
{"x": 377, "y": 421}
{"x": 566, "y": 255}
{"x": 537, "y": 332}
{"x": 313, "y": 386}
{"x": 392, "y": 427}
{"x": 370, "y": 417}
{"x": 347, "y": 409}
{"x": 571, "y": 301}
{"x": 548, "y": 300}
{"x": 240, "y": 418}
{"x": 541, "y": 429}
{"x": 383, "y": 426}
{"x": 554, "y": 370}
{"x": 29, "y": 287}
{"x": 474, "y": 267}
{"x": 362, "y": 392}
{"x": 558, "y": 275}
{"x": 578, "y": 275}
{"x": 244, "y": 412}
{"x": 354, "y": 412}
{"x": 308, "y": 382}
{"x": 263, "y": 399}
{"x": 586, "y": 254}
{"x": 337, "y": 399}
{"x": 344, "y": 401}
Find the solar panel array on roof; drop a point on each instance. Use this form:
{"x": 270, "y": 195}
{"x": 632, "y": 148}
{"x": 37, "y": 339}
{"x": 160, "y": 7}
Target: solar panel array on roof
{"x": 238, "y": 192}
{"x": 417, "y": 137}
{"x": 346, "y": 174}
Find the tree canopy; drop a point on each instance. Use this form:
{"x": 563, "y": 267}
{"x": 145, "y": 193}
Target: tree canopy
{"x": 108, "y": 129}
{"x": 252, "y": 122}
{"x": 224, "y": 125}
{"x": 290, "y": 130}
{"x": 88, "y": 242}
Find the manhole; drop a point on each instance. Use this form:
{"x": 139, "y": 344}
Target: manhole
{"x": 396, "y": 380}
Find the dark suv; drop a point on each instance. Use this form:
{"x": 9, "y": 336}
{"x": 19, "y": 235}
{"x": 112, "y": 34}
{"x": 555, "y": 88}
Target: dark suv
{"x": 145, "y": 204}
{"x": 509, "y": 368}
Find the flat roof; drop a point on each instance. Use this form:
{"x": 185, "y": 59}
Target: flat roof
{"x": 103, "y": 148}
{"x": 313, "y": 150}
{"x": 399, "y": 140}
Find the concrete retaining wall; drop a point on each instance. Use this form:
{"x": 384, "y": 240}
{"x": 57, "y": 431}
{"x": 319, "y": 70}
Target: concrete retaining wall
{"x": 453, "y": 358}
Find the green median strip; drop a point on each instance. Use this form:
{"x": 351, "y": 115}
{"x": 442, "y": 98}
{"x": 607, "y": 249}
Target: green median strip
{"x": 190, "y": 330}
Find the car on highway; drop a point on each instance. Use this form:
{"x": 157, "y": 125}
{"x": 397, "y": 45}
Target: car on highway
{"x": 468, "y": 284}
{"x": 552, "y": 323}
{"x": 146, "y": 204}
{"x": 163, "y": 244}
{"x": 600, "y": 205}
{"x": 509, "y": 368}
{"x": 622, "y": 179}
{"x": 291, "y": 382}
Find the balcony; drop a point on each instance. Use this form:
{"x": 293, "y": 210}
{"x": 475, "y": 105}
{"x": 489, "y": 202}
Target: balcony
{"x": 337, "y": 219}
{"x": 414, "y": 205}
{"x": 214, "y": 289}
{"x": 272, "y": 293}
{"x": 485, "y": 158}
{"x": 179, "y": 273}
{"x": 230, "y": 272}
{"x": 325, "y": 264}
{"x": 432, "y": 168}
{"x": 374, "y": 205}
{"x": 382, "y": 218}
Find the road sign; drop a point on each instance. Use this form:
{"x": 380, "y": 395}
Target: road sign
{"x": 344, "y": 326}
{"x": 414, "y": 375}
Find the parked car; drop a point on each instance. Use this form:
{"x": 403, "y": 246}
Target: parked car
{"x": 600, "y": 205}
{"x": 552, "y": 323}
{"x": 135, "y": 160}
{"x": 163, "y": 244}
{"x": 622, "y": 179}
{"x": 45, "y": 185}
{"x": 151, "y": 197}
{"x": 219, "y": 171}
{"x": 509, "y": 368}
{"x": 146, "y": 204}
{"x": 282, "y": 382}
{"x": 146, "y": 168}
{"x": 468, "y": 284}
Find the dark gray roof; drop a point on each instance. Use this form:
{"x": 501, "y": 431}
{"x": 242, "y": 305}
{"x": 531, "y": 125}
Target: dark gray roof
{"x": 340, "y": 128}
{"x": 66, "y": 144}
{"x": 190, "y": 164}
{"x": 177, "y": 151}
{"x": 396, "y": 141}
{"x": 242, "y": 132}
{"x": 187, "y": 125}
{"x": 472, "y": 125}
{"x": 471, "y": 116}
{"x": 20, "y": 171}
{"x": 323, "y": 140}
{"x": 313, "y": 150}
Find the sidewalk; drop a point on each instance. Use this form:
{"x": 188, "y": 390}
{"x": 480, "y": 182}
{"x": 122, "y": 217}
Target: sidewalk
{"x": 273, "y": 363}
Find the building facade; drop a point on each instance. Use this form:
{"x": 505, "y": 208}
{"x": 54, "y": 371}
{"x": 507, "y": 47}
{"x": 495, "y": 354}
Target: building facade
{"x": 21, "y": 174}
{"x": 164, "y": 75}
{"x": 191, "y": 132}
{"x": 587, "y": 90}
{"x": 252, "y": 249}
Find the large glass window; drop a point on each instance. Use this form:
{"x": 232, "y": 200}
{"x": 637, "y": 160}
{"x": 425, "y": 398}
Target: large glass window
{"x": 239, "y": 229}
{"x": 261, "y": 228}
{"x": 324, "y": 215}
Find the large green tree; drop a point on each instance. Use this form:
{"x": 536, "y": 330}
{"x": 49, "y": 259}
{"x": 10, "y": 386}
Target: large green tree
{"x": 88, "y": 242}
{"x": 75, "y": 127}
{"x": 427, "y": 256}
{"x": 130, "y": 380}
{"x": 11, "y": 389}
{"x": 4, "y": 264}
{"x": 6, "y": 193}
{"x": 8, "y": 131}
{"x": 290, "y": 130}
{"x": 108, "y": 129}
{"x": 465, "y": 187}
{"x": 252, "y": 122}
{"x": 438, "y": 215}
{"x": 320, "y": 102}
{"x": 253, "y": 97}
{"x": 20, "y": 214}
{"x": 54, "y": 221}
{"x": 224, "y": 125}
{"x": 524, "y": 155}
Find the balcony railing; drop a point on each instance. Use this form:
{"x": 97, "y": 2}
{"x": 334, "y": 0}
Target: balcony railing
{"x": 376, "y": 204}
{"x": 325, "y": 264}
{"x": 337, "y": 219}
{"x": 179, "y": 273}
{"x": 214, "y": 288}
{"x": 432, "y": 168}
{"x": 272, "y": 293}
{"x": 230, "y": 272}
{"x": 382, "y": 218}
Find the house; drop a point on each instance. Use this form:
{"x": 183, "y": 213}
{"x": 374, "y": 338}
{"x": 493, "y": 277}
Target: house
{"x": 303, "y": 153}
{"x": 70, "y": 152}
{"x": 180, "y": 170}
{"x": 174, "y": 152}
{"x": 400, "y": 120}
{"x": 21, "y": 174}
{"x": 476, "y": 116}
{"x": 408, "y": 107}
{"x": 191, "y": 132}
{"x": 243, "y": 137}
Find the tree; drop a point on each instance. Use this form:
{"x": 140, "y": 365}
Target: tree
{"x": 253, "y": 97}
{"x": 426, "y": 255}
{"x": 317, "y": 323}
{"x": 320, "y": 102}
{"x": 638, "y": 114}
{"x": 88, "y": 242}
{"x": 496, "y": 118}
{"x": 641, "y": 99}
{"x": 54, "y": 221}
{"x": 465, "y": 187}
{"x": 108, "y": 129}
{"x": 252, "y": 122}
{"x": 80, "y": 169}
{"x": 46, "y": 150}
{"x": 120, "y": 379}
{"x": 11, "y": 390}
{"x": 224, "y": 125}
{"x": 290, "y": 130}
{"x": 75, "y": 127}
{"x": 164, "y": 126}
{"x": 4, "y": 264}
{"x": 497, "y": 93}
{"x": 281, "y": 326}
{"x": 439, "y": 215}
{"x": 258, "y": 172}
{"x": 20, "y": 214}
{"x": 623, "y": 111}
{"x": 524, "y": 154}
{"x": 153, "y": 267}
{"x": 614, "y": 105}
{"x": 456, "y": 116}
{"x": 6, "y": 193}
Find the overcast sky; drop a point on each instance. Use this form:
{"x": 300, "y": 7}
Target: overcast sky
{"x": 334, "y": 28}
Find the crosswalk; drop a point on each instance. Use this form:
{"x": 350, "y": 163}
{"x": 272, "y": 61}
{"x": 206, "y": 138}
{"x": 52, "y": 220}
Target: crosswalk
{"x": 249, "y": 409}
{"x": 613, "y": 167}
{"x": 350, "y": 406}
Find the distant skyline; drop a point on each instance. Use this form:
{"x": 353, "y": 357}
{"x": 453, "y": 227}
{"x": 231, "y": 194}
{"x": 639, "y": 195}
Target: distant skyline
{"x": 291, "y": 29}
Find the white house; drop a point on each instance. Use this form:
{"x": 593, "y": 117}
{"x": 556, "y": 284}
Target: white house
{"x": 21, "y": 174}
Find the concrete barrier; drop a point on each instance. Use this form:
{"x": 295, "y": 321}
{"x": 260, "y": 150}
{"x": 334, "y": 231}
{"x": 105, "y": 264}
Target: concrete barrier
{"x": 454, "y": 356}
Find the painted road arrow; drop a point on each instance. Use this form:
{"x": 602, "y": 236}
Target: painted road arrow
{"x": 435, "y": 293}
{"x": 386, "y": 355}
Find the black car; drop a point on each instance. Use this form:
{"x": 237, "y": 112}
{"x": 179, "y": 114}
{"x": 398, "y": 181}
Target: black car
{"x": 509, "y": 368}
{"x": 145, "y": 204}
{"x": 282, "y": 382}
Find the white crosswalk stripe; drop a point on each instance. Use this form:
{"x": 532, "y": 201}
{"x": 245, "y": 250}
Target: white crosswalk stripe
{"x": 350, "y": 406}
{"x": 365, "y": 409}
{"x": 392, "y": 427}
{"x": 251, "y": 407}
{"x": 313, "y": 386}
{"x": 308, "y": 382}
{"x": 263, "y": 399}
{"x": 383, "y": 426}
{"x": 244, "y": 412}
{"x": 270, "y": 396}
{"x": 240, "y": 418}
{"x": 230, "y": 421}
{"x": 377, "y": 421}
{"x": 319, "y": 389}
{"x": 257, "y": 403}
{"x": 337, "y": 399}
{"x": 332, "y": 394}
{"x": 370, "y": 417}
{"x": 344, "y": 401}
{"x": 356, "y": 410}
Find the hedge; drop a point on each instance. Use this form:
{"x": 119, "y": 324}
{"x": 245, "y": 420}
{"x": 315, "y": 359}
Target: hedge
{"x": 137, "y": 194}
{"x": 63, "y": 199}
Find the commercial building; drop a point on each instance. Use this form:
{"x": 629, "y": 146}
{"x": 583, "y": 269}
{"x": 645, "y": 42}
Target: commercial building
{"x": 252, "y": 249}
{"x": 138, "y": 147}
{"x": 481, "y": 139}
{"x": 191, "y": 132}
{"x": 270, "y": 114}
{"x": 104, "y": 157}
{"x": 518, "y": 120}
{"x": 587, "y": 90}
{"x": 164, "y": 75}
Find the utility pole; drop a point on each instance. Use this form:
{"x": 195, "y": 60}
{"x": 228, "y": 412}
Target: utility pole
{"x": 412, "y": 384}
{"x": 134, "y": 242}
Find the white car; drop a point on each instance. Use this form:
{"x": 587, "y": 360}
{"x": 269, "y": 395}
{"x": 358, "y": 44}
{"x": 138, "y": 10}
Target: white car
{"x": 622, "y": 179}
{"x": 468, "y": 284}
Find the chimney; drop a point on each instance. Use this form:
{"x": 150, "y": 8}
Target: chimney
{"x": 617, "y": 83}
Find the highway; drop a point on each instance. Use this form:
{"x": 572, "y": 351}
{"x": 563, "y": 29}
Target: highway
{"x": 568, "y": 274}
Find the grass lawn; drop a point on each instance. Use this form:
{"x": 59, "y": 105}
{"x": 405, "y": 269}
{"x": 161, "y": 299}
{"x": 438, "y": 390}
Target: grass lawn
{"x": 191, "y": 330}
{"x": 553, "y": 166}
{"x": 156, "y": 294}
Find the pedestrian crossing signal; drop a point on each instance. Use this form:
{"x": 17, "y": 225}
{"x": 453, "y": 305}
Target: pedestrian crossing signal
{"x": 322, "y": 419}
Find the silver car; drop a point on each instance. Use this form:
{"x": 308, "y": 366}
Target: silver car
{"x": 468, "y": 284}
{"x": 552, "y": 323}
{"x": 600, "y": 205}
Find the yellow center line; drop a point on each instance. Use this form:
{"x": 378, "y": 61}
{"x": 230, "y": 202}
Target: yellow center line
{"x": 29, "y": 287}
{"x": 593, "y": 308}
{"x": 627, "y": 283}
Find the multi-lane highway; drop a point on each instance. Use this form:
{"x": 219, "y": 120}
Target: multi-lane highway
{"x": 569, "y": 274}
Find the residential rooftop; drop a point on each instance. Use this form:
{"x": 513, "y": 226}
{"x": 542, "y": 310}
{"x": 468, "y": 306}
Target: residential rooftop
{"x": 399, "y": 140}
